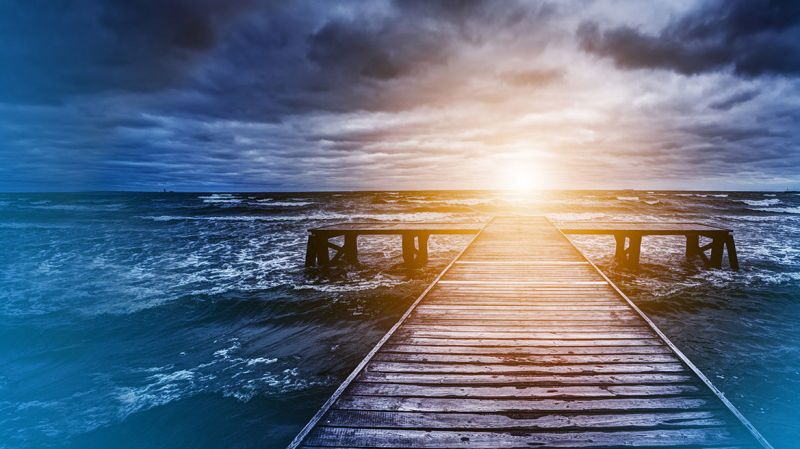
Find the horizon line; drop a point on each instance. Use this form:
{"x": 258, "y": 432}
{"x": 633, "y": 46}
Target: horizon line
{"x": 394, "y": 190}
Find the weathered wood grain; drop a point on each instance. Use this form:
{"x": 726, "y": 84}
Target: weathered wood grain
{"x": 467, "y": 421}
{"x": 392, "y": 438}
{"x": 524, "y": 379}
{"x": 493, "y": 405}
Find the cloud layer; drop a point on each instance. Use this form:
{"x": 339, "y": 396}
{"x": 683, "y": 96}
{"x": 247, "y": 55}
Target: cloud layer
{"x": 266, "y": 95}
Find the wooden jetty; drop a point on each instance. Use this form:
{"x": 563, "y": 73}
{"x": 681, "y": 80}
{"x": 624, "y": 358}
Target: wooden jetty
{"x": 522, "y": 342}
{"x": 628, "y": 237}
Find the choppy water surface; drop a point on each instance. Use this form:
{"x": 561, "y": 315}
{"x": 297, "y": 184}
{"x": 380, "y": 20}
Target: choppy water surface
{"x": 177, "y": 320}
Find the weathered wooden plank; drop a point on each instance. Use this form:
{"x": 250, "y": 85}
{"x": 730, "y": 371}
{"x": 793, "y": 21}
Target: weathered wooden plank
{"x": 413, "y": 367}
{"x": 539, "y": 314}
{"x": 445, "y": 321}
{"x": 482, "y": 329}
{"x": 515, "y": 283}
{"x": 531, "y": 307}
{"x": 391, "y": 438}
{"x": 524, "y": 379}
{"x": 466, "y": 421}
{"x": 525, "y": 359}
{"x": 527, "y": 350}
{"x": 531, "y": 335}
{"x": 520, "y": 392}
{"x": 455, "y": 303}
{"x": 522, "y": 342}
{"x": 532, "y": 312}
{"x": 473, "y": 405}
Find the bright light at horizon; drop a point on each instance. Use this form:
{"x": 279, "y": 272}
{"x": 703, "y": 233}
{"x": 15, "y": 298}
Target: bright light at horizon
{"x": 520, "y": 179}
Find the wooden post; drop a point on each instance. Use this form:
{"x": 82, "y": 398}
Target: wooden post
{"x": 323, "y": 258}
{"x": 620, "y": 253}
{"x": 733, "y": 259}
{"x": 351, "y": 247}
{"x": 311, "y": 251}
{"x": 717, "y": 248}
{"x": 634, "y": 249}
{"x": 692, "y": 245}
{"x": 422, "y": 249}
{"x": 408, "y": 249}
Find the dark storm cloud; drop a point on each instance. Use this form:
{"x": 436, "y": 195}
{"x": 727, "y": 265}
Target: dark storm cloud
{"x": 254, "y": 94}
{"x": 382, "y": 52}
{"x": 53, "y": 49}
{"x": 751, "y": 37}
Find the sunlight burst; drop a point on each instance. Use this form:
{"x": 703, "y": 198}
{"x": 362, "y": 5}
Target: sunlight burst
{"x": 520, "y": 178}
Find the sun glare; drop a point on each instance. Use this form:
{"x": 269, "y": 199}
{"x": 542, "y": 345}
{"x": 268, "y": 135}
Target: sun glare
{"x": 519, "y": 179}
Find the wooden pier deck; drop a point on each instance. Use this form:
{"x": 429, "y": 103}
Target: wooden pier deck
{"x": 522, "y": 342}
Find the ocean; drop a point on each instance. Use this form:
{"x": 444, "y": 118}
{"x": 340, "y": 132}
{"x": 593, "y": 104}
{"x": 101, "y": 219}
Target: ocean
{"x": 172, "y": 320}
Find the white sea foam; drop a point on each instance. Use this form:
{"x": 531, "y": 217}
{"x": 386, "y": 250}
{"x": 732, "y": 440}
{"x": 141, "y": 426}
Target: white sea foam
{"x": 161, "y": 389}
{"x": 411, "y": 216}
{"x": 75, "y": 207}
{"x": 628, "y": 198}
{"x": 757, "y": 218}
{"x": 262, "y": 360}
{"x": 769, "y": 202}
{"x": 222, "y": 198}
{"x": 287, "y": 203}
{"x": 784, "y": 210}
{"x": 457, "y": 202}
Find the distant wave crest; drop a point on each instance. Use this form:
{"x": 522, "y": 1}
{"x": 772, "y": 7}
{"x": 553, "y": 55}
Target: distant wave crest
{"x": 769, "y": 202}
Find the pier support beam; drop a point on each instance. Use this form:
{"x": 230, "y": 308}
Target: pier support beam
{"x": 634, "y": 250}
{"x": 351, "y": 247}
{"x": 717, "y": 249}
{"x": 719, "y": 244}
{"x": 692, "y": 246}
{"x": 628, "y": 255}
{"x": 422, "y": 249}
{"x": 323, "y": 257}
{"x": 733, "y": 259}
{"x": 408, "y": 249}
{"x": 620, "y": 255}
{"x": 415, "y": 249}
{"x": 311, "y": 251}
{"x": 318, "y": 246}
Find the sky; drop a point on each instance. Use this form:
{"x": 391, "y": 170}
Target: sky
{"x": 249, "y": 95}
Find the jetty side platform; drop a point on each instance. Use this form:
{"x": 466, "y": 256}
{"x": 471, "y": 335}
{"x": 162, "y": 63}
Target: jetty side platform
{"x": 522, "y": 342}
{"x": 628, "y": 236}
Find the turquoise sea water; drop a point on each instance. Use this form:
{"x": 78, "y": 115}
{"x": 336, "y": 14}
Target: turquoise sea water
{"x": 162, "y": 320}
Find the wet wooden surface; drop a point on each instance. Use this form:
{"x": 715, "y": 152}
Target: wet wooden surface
{"x": 523, "y": 343}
